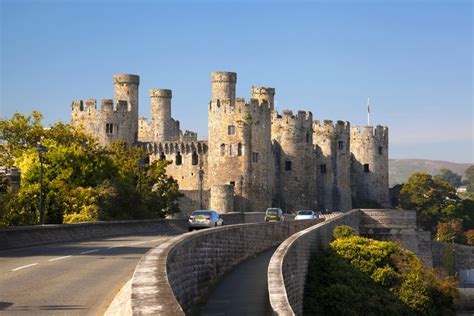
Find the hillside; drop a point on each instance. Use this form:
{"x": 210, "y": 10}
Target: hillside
{"x": 401, "y": 169}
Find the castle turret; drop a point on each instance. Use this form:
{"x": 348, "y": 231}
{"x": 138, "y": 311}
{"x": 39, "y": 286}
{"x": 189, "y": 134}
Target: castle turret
{"x": 223, "y": 85}
{"x": 333, "y": 163}
{"x": 293, "y": 149}
{"x": 370, "y": 166}
{"x": 161, "y": 115}
{"x": 264, "y": 94}
{"x": 126, "y": 89}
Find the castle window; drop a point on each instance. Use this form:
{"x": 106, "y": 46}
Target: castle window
{"x": 81, "y": 105}
{"x": 307, "y": 138}
{"x": 231, "y": 130}
{"x": 288, "y": 165}
{"x": 322, "y": 168}
{"x": 232, "y": 183}
{"x": 222, "y": 150}
{"x": 109, "y": 128}
{"x": 178, "y": 159}
{"x": 162, "y": 156}
{"x": 255, "y": 157}
{"x": 230, "y": 150}
{"x": 340, "y": 145}
{"x": 239, "y": 149}
{"x": 380, "y": 150}
{"x": 366, "y": 168}
{"x": 194, "y": 158}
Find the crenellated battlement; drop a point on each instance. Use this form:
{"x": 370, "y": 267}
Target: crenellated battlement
{"x": 237, "y": 108}
{"x": 379, "y": 133}
{"x": 89, "y": 106}
{"x": 126, "y": 78}
{"x": 184, "y": 148}
{"x": 161, "y": 93}
{"x": 224, "y": 76}
{"x": 302, "y": 119}
{"x": 329, "y": 127}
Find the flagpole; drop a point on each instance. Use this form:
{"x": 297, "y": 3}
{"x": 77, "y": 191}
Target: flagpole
{"x": 368, "y": 111}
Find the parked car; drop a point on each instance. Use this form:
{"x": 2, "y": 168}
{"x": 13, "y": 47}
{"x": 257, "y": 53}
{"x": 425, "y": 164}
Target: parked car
{"x": 204, "y": 219}
{"x": 306, "y": 214}
{"x": 274, "y": 215}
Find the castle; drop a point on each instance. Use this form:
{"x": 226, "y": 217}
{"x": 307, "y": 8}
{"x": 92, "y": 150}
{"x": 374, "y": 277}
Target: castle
{"x": 254, "y": 157}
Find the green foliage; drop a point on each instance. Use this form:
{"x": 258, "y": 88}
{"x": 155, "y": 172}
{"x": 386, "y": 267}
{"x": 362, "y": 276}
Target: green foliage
{"x": 469, "y": 235}
{"x": 469, "y": 173}
{"x": 448, "y": 259}
{"x": 82, "y": 181}
{"x": 360, "y": 276}
{"x": 447, "y": 175}
{"x": 343, "y": 231}
{"x": 450, "y": 231}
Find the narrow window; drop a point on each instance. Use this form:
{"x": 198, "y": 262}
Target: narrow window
{"x": 109, "y": 128}
{"x": 322, "y": 168}
{"x": 230, "y": 150}
{"x": 239, "y": 149}
{"x": 162, "y": 156}
{"x": 232, "y": 183}
{"x": 380, "y": 150}
{"x": 366, "y": 167}
{"x": 179, "y": 159}
{"x": 340, "y": 145}
{"x": 288, "y": 165}
{"x": 222, "y": 150}
{"x": 194, "y": 158}
{"x": 231, "y": 130}
{"x": 307, "y": 138}
{"x": 255, "y": 157}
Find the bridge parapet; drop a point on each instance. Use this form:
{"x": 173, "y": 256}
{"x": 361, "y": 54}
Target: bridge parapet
{"x": 175, "y": 277}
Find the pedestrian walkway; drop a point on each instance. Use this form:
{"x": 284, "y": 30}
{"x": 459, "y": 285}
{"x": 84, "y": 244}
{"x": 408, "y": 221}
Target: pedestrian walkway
{"x": 243, "y": 291}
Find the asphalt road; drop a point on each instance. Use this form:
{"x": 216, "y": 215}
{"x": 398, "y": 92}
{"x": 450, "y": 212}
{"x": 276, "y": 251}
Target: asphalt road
{"x": 79, "y": 278}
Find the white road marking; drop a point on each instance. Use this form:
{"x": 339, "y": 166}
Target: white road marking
{"x": 89, "y": 251}
{"x": 138, "y": 243}
{"x": 54, "y": 259}
{"x": 23, "y": 267}
{"x": 115, "y": 246}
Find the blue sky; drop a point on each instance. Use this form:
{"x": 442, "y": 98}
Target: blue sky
{"x": 412, "y": 58}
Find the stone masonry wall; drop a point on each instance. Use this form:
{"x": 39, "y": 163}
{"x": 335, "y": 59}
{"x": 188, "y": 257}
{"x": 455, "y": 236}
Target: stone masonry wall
{"x": 289, "y": 265}
{"x": 463, "y": 255}
{"x": 174, "y": 277}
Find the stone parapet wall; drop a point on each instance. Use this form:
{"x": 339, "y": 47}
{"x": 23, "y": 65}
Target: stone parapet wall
{"x": 463, "y": 255}
{"x": 175, "y": 277}
{"x": 289, "y": 265}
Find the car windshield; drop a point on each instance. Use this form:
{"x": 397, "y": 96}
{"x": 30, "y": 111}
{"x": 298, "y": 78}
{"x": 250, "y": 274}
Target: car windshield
{"x": 305, "y": 212}
{"x": 196, "y": 213}
{"x": 272, "y": 211}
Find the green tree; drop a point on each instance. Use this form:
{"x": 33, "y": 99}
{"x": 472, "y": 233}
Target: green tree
{"x": 451, "y": 231}
{"x": 449, "y": 176}
{"x": 432, "y": 198}
{"x": 469, "y": 173}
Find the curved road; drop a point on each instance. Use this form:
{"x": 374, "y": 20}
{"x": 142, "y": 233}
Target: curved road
{"x": 70, "y": 278}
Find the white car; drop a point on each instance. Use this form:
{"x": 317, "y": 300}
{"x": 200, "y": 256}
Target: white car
{"x": 204, "y": 219}
{"x": 306, "y": 214}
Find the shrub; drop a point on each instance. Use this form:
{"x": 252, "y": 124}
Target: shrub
{"x": 343, "y": 231}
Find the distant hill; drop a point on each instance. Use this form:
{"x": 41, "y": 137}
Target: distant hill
{"x": 401, "y": 169}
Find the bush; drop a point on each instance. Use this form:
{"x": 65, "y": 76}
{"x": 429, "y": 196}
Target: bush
{"x": 343, "y": 231}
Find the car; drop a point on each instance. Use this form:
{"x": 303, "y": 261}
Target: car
{"x": 306, "y": 214}
{"x": 204, "y": 219}
{"x": 274, "y": 215}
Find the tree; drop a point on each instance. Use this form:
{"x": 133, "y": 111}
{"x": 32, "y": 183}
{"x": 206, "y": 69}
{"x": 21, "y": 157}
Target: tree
{"x": 449, "y": 176}
{"x": 432, "y": 198}
{"x": 469, "y": 235}
{"x": 451, "y": 231}
{"x": 469, "y": 173}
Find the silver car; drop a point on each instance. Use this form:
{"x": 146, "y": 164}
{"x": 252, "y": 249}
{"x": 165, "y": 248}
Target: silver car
{"x": 204, "y": 219}
{"x": 306, "y": 214}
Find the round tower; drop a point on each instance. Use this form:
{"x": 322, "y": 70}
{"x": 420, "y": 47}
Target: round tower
{"x": 126, "y": 89}
{"x": 294, "y": 160}
{"x": 223, "y": 85}
{"x": 370, "y": 166}
{"x": 222, "y": 198}
{"x": 332, "y": 165}
{"x": 161, "y": 114}
{"x": 264, "y": 94}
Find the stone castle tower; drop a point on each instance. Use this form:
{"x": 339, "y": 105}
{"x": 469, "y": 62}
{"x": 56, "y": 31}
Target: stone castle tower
{"x": 254, "y": 158}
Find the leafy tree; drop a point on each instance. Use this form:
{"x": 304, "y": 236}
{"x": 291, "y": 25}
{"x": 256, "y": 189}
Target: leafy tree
{"x": 449, "y": 176}
{"x": 433, "y": 199}
{"x": 451, "y": 231}
{"x": 469, "y": 173}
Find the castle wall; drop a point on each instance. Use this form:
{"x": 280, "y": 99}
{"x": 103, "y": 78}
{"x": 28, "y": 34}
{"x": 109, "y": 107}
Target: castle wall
{"x": 332, "y": 165}
{"x": 126, "y": 89}
{"x": 222, "y": 198}
{"x": 294, "y": 158}
{"x": 369, "y": 167}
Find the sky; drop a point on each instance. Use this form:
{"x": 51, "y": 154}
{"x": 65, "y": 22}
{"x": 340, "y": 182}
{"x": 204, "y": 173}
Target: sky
{"x": 412, "y": 58}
